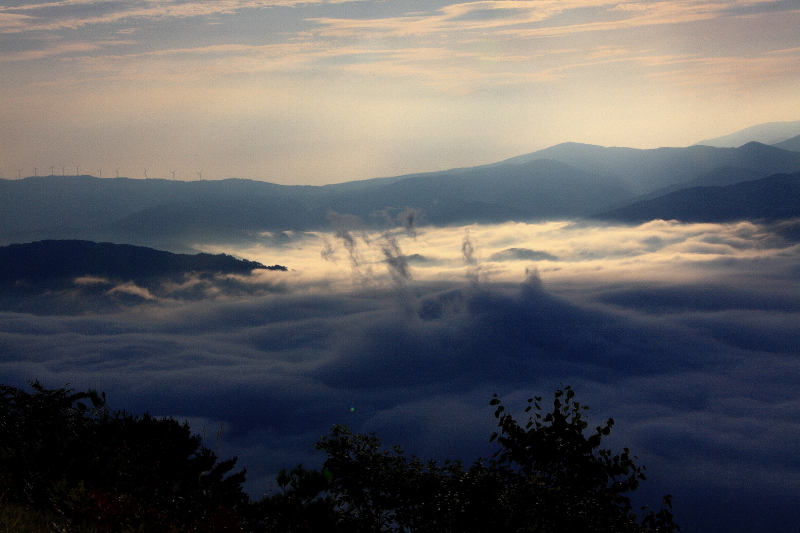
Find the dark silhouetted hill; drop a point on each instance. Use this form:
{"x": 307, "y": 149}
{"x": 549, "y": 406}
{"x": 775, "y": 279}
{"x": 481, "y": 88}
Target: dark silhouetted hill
{"x": 768, "y": 199}
{"x": 50, "y": 260}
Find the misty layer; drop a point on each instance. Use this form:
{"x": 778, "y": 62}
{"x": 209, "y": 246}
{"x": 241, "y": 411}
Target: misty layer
{"x": 685, "y": 334}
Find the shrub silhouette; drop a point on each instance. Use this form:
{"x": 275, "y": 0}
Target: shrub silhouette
{"x": 547, "y": 476}
{"x": 63, "y": 452}
{"x": 67, "y": 461}
{"x": 556, "y": 478}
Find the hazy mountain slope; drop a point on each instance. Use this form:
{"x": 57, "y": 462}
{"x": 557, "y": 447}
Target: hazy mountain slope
{"x": 720, "y": 176}
{"x": 645, "y": 171}
{"x": 85, "y": 207}
{"x": 35, "y": 203}
{"x": 172, "y": 215}
{"x": 773, "y": 198}
{"x": 567, "y": 180}
{"x": 223, "y": 219}
{"x": 767, "y": 133}
{"x": 792, "y": 144}
{"x": 48, "y": 260}
{"x": 537, "y": 189}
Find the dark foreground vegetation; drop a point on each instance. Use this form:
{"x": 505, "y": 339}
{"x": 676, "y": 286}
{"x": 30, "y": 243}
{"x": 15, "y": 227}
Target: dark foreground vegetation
{"x": 69, "y": 464}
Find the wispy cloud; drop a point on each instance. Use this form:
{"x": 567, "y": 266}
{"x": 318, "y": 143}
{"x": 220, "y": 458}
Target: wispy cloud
{"x": 534, "y": 18}
{"x": 60, "y": 15}
{"x": 726, "y": 71}
{"x": 454, "y": 48}
{"x": 50, "y": 51}
{"x": 469, "y": 16}
{"x": 435, "y": 66}
{"x": 504, "y": 16}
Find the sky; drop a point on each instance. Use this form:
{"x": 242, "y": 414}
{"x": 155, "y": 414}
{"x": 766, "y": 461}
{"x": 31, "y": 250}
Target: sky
{"x": 319, "y": 92}
{"x": 685, "y": 334}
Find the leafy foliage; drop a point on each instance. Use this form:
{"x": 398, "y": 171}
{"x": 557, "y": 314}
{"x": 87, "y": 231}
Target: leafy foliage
{"x": 383, "y": 490}
{"x": 559, "y": 479}
{"x": 68, "y": 464}
{"x": 547, "y": 476}
{"x": 301, "y": 504}
{"x": 64, "y": 455}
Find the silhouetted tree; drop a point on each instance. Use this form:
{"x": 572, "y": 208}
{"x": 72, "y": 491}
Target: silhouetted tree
{"x": 556, "y": 478}
{"x": 302, "y": 503}
{"x": 62, "y": 454}
{"x": 548, "y": 476}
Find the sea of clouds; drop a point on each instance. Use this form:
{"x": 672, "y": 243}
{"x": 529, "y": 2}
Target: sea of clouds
{"x": 686, "y": 334}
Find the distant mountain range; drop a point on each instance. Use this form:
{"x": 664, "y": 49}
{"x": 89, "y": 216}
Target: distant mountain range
{"x": 644, "y": 171}
{"x": 768, "y": 133}
{"x": 767, "y": 199}
{"x": 568, "y": 180}
{"x": 792, "y": 144}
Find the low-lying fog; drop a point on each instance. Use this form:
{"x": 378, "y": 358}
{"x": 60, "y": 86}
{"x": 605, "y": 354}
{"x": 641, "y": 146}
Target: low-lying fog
{"x": 687, "y": 335}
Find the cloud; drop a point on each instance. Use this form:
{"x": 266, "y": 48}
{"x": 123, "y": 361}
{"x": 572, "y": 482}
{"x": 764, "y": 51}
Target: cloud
{"x": 408, "y": 219}
{"x": 531, "y": 18}
{"x": 459, "y": 49}
{"x": 13, "y": 22}
{"x": 470, "y": 259}
{"x": 62, "y": 15}
{"x": 396, "y": 260}
{"x": 467, "y": 16}
{"x": 457, "y": 17}
{"x": 727, "y": 70}
{"x": 692, "y": 350}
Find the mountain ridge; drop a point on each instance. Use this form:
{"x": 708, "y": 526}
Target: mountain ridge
{"x": 766, "y": 133}
{"x": 767, "y": 199}
{"x": 654, "y": 168}
{"x": 792, "y": 144}
{"x": 564, "y": 181}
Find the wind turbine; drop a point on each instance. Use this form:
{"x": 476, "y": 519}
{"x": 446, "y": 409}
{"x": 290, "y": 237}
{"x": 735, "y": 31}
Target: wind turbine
{"x": 77, "y": 167}
{"x": 34, "y": 173}
{"x": 200, "y": 174}
{"x": 63, "y": 171}
{"x": 145, "y": 174}
{"x": 173, "y": 175}
{"x": 117, "y": 172}
{"x": 100, "y": 173}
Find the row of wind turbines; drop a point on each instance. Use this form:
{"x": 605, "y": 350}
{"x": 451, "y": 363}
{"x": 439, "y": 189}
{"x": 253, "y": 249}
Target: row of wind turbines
{"x": 77, "y": 172}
